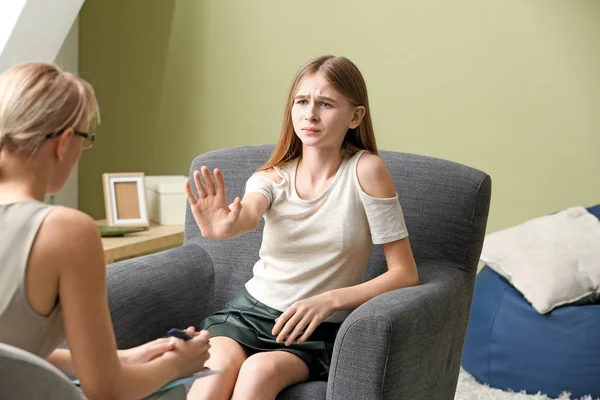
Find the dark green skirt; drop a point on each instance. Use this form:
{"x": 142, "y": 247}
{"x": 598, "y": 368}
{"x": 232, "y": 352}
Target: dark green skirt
{"x": 250, "y": 322}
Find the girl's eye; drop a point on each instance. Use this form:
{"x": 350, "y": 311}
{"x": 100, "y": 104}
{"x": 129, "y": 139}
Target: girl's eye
{"x": 302, "y": 102}
{"x": 326, "y": 105}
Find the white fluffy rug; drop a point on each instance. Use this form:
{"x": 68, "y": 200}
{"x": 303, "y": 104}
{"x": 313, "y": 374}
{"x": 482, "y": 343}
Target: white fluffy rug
{"x": 469, "y": 389}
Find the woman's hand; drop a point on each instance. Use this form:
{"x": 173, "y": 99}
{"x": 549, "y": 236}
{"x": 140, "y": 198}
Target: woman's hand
{"x": 151, "y": 350}
{"x": 211, "y": 212}
{"x": 304, "y": 314}
{"x": 146, "y": 352}
{"x": 189, "y": 356}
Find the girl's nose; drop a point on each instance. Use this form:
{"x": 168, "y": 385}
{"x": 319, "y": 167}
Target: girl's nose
{"x": 311, "y": 114}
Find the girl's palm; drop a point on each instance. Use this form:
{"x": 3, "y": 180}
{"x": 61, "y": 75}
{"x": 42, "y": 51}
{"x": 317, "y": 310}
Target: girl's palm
{"x": 214, "y": 218}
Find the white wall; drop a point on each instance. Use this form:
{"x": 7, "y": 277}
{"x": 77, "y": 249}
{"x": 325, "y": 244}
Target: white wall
{"x": 68, "y": 59}
{"x": 47, "y": 31}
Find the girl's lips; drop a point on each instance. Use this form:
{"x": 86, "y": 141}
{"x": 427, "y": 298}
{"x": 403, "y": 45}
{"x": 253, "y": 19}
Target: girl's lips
{"x": 310, "y": 130}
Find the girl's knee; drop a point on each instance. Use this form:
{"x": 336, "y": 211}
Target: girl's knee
{"x": 225, "y": 355}
{"x": 264, "y": 375}
{"x": 259, "y": 367}
{"x": 257, "y": 379}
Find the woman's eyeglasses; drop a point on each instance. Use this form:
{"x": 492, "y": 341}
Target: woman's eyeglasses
{"x": 87, "y": 142}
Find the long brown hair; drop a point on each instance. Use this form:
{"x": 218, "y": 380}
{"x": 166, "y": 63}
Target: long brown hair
{"x": 345, "y": 77}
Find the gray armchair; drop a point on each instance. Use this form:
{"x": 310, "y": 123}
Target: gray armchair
{"x": 405, "y": 344}
{"x": 27, "y": 376}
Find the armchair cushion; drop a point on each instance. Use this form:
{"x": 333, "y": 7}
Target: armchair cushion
{"x": 552, "y": 260}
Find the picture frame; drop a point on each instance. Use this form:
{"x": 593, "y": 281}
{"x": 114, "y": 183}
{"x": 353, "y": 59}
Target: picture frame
{"x": 125, "y": 199}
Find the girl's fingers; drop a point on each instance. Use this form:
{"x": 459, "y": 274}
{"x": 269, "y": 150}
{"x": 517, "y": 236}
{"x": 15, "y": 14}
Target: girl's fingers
{"x": 236, "y": 208}
{"x": 288, "y": 327}
{"x": 281, "y": 320}
{"x": 297, "y": 331}
{"x": 209, "y": 182}
{"x": 199, "y": 185}
{"x": 220, "y": 182}
{"x": 190, "y": 195}
{"x": 309, "y": 331}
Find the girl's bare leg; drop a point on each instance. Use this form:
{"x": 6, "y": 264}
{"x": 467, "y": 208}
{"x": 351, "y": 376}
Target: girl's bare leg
{"x": 227, "y": 356}
{"x": 264, "y": 375}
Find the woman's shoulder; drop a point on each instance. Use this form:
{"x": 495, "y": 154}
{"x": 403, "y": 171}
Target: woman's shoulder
{"x": 67, "y": 229}
{"x": 67, "y": 242}
{"x": 70, "y": 219}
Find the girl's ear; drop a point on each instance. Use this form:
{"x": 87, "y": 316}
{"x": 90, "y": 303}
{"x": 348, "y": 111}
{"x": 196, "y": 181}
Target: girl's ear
{"x": 359, "y": 113}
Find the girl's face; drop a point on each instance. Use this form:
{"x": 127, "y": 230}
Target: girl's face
{"x": 321, "y": 115}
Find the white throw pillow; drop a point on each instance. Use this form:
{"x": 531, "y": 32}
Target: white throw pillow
{"x": 552, "y": 260}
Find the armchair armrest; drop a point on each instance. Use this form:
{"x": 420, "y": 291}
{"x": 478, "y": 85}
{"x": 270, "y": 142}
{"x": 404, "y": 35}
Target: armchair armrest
{"x": 405, "y": 344}
{"x": 151, "y": 294}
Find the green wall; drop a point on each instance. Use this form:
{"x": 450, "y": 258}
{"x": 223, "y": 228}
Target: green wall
{"x": 511, "y": 87}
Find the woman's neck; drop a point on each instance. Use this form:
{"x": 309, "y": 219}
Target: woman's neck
{"x": 21, "y": 179}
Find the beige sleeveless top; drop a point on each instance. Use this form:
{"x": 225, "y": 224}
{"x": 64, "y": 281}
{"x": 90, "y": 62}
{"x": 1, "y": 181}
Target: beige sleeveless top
{"x": 20, "y": 325}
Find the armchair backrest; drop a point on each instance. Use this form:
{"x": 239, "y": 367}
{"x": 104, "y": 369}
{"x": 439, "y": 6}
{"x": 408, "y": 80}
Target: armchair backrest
{"x": 445, "y": 206}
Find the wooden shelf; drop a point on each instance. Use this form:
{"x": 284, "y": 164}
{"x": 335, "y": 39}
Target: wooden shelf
{"x": 134, "y": 244}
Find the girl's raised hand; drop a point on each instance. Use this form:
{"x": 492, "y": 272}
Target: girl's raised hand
{"x": 211, "y": 212}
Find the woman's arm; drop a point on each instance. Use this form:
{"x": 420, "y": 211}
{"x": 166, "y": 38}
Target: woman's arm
{"x": 61, "y": 358}
{"x": 70, "y": 242}
{"x": 305, "y": 315}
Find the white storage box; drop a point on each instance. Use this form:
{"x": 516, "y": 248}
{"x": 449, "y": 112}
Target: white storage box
{"x": 166, "y": 199}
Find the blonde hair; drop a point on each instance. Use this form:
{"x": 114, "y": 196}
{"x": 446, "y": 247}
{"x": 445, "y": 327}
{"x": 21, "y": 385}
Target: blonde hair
{"x": 37, "y": 99}
{"x": 345, "y": 77}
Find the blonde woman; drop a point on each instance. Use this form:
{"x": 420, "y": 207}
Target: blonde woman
{"x": 52, "y": 273}
{"x": 326, "y": 197}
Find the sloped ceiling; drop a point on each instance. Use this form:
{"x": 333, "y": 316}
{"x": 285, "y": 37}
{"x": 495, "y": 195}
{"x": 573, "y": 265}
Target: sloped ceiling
{"x": 34, "y": 30}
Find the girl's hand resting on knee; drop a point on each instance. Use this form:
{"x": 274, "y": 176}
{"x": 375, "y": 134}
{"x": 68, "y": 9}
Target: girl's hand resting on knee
{"x": 304, "y": 314}
{"x": 211, "y": 212}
